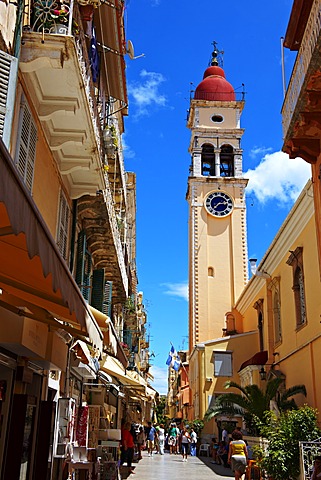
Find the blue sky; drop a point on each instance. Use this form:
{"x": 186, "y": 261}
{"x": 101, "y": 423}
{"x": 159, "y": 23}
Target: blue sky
{"x": 176, "y": 38}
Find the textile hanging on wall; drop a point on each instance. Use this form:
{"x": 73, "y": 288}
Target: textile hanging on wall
{"x": 82, "y": 426}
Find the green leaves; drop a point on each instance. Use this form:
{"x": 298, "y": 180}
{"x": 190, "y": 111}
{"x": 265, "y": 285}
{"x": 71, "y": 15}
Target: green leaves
{"x": 281, "y": 458}
{"x": 253, "y": 402}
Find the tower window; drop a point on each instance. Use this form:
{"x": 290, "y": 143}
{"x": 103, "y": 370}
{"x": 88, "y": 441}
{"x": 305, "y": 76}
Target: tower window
{"x": 217, "y": 118}
{"x": 208, "y": 160}
{"x": 227, "y": 161}
{"x": 210, "y": 271}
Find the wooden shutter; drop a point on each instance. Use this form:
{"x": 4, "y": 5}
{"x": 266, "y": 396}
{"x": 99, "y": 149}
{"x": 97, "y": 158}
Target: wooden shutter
{"x": 8, "y": 82}
{"x": 26, "y": 145}
{"x": 83, "y": 266}
{"x": 63, "y": 226}
{"x": 108, "y": 298}
{"x": 97, "y": 294}
{"x": 101, "y": 297}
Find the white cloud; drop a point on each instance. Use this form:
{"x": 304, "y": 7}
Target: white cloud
{"x": 147, "y": 94}
{"x": 278, "y": 177}
{"x": 255, "y": 151}
{"x": 177, "y": 289}
{"x": 160, "y": 375}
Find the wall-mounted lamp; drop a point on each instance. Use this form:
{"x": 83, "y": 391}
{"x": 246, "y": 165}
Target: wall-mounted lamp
{"x": 255, "y": 271}
{"x": 262, "y": 374}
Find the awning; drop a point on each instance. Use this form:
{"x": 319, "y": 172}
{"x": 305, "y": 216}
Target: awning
{"x": 116, "y": 369}
{"x": 31, "y": 267}
{"x": 260, "y": 358}
{"x": 110, "y": 336}
{"x": 108, "y": 20}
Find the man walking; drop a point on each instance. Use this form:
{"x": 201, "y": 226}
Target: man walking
{"x": 150, "y": 438}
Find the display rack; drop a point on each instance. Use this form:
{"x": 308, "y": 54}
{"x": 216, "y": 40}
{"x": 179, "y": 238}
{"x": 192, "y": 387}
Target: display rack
{"x": 65, "y": 423}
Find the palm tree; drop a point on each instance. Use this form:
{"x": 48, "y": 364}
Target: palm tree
{"x": 253, "y": 402}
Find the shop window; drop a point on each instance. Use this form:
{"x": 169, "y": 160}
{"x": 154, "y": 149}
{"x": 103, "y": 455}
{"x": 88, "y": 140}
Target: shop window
{"x": 223, "y": 364}
{"x": 296, "y": 262}
{"x": 208, "y": 160}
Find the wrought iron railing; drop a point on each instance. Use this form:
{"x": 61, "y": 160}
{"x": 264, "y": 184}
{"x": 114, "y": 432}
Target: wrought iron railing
{"x": 302, "y": 63}
{"x": 51, "y": 16}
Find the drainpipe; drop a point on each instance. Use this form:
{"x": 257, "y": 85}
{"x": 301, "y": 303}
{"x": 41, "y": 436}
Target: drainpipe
{"x": 18, "y": 29}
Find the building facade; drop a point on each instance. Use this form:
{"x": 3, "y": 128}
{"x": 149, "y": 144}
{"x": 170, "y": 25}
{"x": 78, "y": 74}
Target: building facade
{"x": 73, "y": 352}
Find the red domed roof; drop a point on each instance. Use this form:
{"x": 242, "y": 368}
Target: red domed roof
{"x": 214, "y": 86}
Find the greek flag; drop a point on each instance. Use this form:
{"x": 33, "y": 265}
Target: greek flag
{"x": 173, "y": 359}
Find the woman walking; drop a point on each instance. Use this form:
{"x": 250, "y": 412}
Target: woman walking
{"x": 185, "y": 441}
{"x": 237, "y": 455}
{"x": 161, "y": 439}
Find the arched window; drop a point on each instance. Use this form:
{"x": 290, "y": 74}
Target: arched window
{"x": 277, "y": 317}
{"x": 260, "y": 318}
{"x": 296, "y": 262}
{"x": 299, "y": 296}
{"x": 210, "y": 271}
{"x": 227, "y": 161}
{"x": 208, "y": 160}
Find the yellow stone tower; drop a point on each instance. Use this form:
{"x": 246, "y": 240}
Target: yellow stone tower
{"x": 217, "y": 211}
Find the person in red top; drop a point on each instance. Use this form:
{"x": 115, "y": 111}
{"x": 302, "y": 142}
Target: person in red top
{"x": 127, "y": 447}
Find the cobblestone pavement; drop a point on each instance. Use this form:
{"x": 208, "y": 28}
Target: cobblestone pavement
{"x": 165, "y": 467}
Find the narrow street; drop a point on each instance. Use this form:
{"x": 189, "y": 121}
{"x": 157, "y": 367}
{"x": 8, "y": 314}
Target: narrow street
{"x": 163, "y": 467}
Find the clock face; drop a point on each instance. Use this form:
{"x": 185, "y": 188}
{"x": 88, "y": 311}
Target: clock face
{"x": 219, "y": 204}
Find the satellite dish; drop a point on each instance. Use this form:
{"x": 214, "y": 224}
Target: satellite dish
{"x": 130, "y": 50}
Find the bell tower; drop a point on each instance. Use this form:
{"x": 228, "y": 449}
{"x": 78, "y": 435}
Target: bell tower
{"x": 217, "y": 211}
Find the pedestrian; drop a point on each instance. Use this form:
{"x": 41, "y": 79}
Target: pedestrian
{"x": 150, "y": 438}
{"x": 140, "y": 442}
{"x": 185, "y": 441}
{"x": 172, "y": 438}
{"x": 213, "y": 449}
{"x": 193, "y": 442}
{"x": 161, "y": 438}
{"x": 316, "y": 473}
{"x": 222, "y": 455}
{"x": 127, "y": 447}
{"x": 237, "y": 455}
{"x": 225, "y": 436}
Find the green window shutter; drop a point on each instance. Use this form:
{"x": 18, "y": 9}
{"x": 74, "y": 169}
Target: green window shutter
{"x": 97, "y": 294}
{"x": 83, "y": 266}
{"x": 107, "y": 303}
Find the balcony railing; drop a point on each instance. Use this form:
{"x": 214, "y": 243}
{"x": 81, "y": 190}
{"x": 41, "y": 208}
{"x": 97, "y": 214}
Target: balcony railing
{"x": 301, "y": 66}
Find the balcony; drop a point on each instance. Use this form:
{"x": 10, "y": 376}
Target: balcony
{"x": 61, "y": 80}
{"x": 302, "y": 105}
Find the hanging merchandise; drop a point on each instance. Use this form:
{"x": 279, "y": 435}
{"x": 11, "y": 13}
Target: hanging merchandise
{"x": 94, "y": 58}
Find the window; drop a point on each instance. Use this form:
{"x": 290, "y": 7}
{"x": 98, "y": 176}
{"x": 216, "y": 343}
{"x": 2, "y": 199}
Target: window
{"x": 63, "y": 226}
{"x": 277, "y": 317}
{"x": 208, "y": 160}
{"x": 260, "y": 317}
{"x": 26, "y": 144}
{"x": 296, "y": 262}
{"x": 217, "y": 118}
{"x": 227, "y": 161}
{"x": 223, "y": 364}
{"x": 210, "y": 272}
{"x": 8, "y": 74}
{"x": 83, "y": 266}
